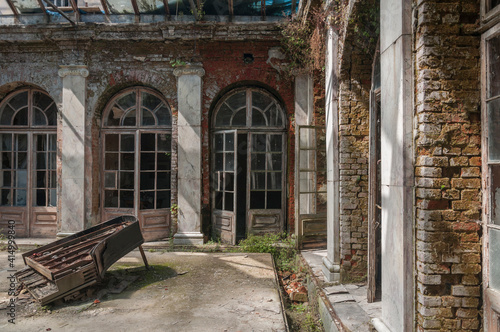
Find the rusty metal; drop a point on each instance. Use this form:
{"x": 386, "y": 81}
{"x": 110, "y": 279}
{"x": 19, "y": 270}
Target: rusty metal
{"x": 65, "y": 267}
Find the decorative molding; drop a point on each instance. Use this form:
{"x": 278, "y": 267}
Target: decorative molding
{"x": 189, "y": 70}
{"x": 75, "y": 70}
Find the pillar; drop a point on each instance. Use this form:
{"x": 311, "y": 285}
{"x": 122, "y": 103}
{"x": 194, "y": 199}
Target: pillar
{"x": 331, "y": 263}
{"x": 72, "y": 142}
{"x": 189, "y": 155}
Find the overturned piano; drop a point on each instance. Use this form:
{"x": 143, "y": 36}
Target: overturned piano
{"x": 64, "y": 268}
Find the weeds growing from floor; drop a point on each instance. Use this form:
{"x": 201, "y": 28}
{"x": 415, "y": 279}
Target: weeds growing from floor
{"x": 280, "y": 246}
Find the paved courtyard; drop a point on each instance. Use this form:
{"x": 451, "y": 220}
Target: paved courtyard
{"x": 184, "y": 292}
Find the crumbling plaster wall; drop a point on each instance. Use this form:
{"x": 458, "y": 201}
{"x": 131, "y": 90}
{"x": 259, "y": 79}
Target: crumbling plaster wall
{"x": 447, "y": 165}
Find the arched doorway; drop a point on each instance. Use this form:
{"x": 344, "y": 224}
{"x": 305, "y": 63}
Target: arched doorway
{"x": 136, "y": 160}
{"x": 248, "y": 165}
{"x": 28, "y": 175}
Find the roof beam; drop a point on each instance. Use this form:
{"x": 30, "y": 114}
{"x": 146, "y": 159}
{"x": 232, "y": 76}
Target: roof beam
{"x": 167, "y": 10}
{"x": 74, "y": 5}
{"x": 60, "y": 12}
{"x": 263, "y": 10}
{"x": 136, "y": 8}
{"x": 194, "y": 9}
{"x": 105, "y": 7}
{"x": 13, "y": 8}
{"x": 231, "y": 9}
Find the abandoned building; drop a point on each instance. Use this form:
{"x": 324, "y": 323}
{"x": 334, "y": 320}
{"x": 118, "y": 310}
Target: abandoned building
{"x": 186, "y": 119}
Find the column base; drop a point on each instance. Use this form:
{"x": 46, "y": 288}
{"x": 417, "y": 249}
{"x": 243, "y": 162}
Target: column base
{"x": 331, "y": 271}
{"x": 188, "y": 238}
{"x": 379, "y": 325}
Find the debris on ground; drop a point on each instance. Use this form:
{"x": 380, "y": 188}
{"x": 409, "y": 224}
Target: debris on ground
{"x": 293, "y": 284}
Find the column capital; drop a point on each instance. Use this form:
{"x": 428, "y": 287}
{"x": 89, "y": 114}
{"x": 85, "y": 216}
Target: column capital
{"x": 196, "y": 70}
{"x": 75, "y": 70}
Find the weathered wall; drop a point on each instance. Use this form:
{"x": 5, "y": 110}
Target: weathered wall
{"x": 447, "y": 166}
{"x": 118, "y": 59}
{"x": 357, "y": 51}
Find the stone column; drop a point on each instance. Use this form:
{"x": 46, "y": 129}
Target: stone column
{"x": 331, "y": 263}
{"x": 189, "y": 155}
{"x": 72, "y": 140}
{"x": 397, "y": 180}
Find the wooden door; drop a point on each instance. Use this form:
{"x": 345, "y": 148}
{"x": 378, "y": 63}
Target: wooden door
{"x": 224, "y": 184}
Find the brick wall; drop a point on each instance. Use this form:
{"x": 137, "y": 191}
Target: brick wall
{"x": 354, "y": 105}
{"x": 447, "y": 166}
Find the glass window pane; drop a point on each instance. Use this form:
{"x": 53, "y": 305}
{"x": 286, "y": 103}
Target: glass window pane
{"x": 275, "y": 117}
{"x": 40, "y": 179}
{"x": 276, "y": 162}
{"x": 219, "y": 142}
{"x": 306, "y": 203}
{"x": 148, "y": 142}
{"x": 110, "y": 180}
{"x": 127, "y": 161}
{"x": 240, "y": 118}
{"x": 223, "y": 117}
{"x": 147, "y": 180}
{"x": 495, "y": 194}
{"x": 6, "y": 115}
{"x": 6, "y": 179}
{"x": 6, "y": 142}
{"x": 52, "y": 179}
{"x": 229, "y": 202}
{"x": 229, "y": 181}
{"x": 276, "y": 143}
{"x": 52, "y": 142}
{"x": 148, "y": 161}
{"x": 129, "y": 119}
{"x": 127, "y": 143}
{"x": 494, "y": 66}
{"x": 219, "y": 161}
{"x": 21, "y": 118}
{"x": 111, "y": 142}
{"x": 19, "y": 197}
{"x": 163, "y": 180}
{"x": 229, "y": 162}
{"x": 147, "y": 200}
{"x": 126, "y": 199}
{"x": 237, "y": 100}
{"x": 111, "y": 198}
{"x": 53, "y": 197}
{"x": 274, "y": 199}
{"x": 19, "y": 100}
{"x": 39, "y": 118}
{"x": 148, "y": 119}
{"x": 41, "y": 161}
{"x": 274, "y": 180}
{"x": 111, "y": 161}
{"x": 257, "y": 199}
{"x": 164, "y": 142}
{"x": 494, "y": 248}
{"x": 114, "y": 116}
{"x": 126, "y": 180}
{"x": 163, "y": 116}
{"x": 21, "y": 142}
{"x": 493, "y": 110}
{"x": 40, "y": 197}
{"x": 258, "y": 180}
{"x": 164, "y": 161}
{"x": 163, "y": 199}
{"x": 51, "y": 114}
{"x": 127, "y": 101}
{"x": 260, "y": 100}
{"x": 258, "y": 118}
{"x": 229, "y": 142}
{"x": 6, "y": 160}
{"x": 321, "y": 203}
{"x": 259, "y": 142}
{"x": 22, "y": 160}
{"x": 258, "y": 161}
{"x": 6, "y": 198}
{"x": 218, "y": 200}
{"x": 20, "y": 179}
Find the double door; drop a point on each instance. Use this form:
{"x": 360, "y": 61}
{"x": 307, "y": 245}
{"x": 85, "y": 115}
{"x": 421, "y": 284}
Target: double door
{"x": 248, "y": 183}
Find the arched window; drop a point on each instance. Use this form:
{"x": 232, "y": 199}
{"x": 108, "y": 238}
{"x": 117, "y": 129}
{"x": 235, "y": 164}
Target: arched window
{"x": 137, "y": 152}
{"x": 28, "y": 150}
{"x": 248, "y": 163}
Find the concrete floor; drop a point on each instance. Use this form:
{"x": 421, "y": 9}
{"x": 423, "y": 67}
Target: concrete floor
{"x": 188, "y": 292}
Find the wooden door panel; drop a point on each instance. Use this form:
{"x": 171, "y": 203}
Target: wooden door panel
{"x": 265, "y": 221}
{"x": 155, "y": 225}
{"x": 43, "y": 222}
{"x": 18, "y": 215}
{"x": 224, "y": 226}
